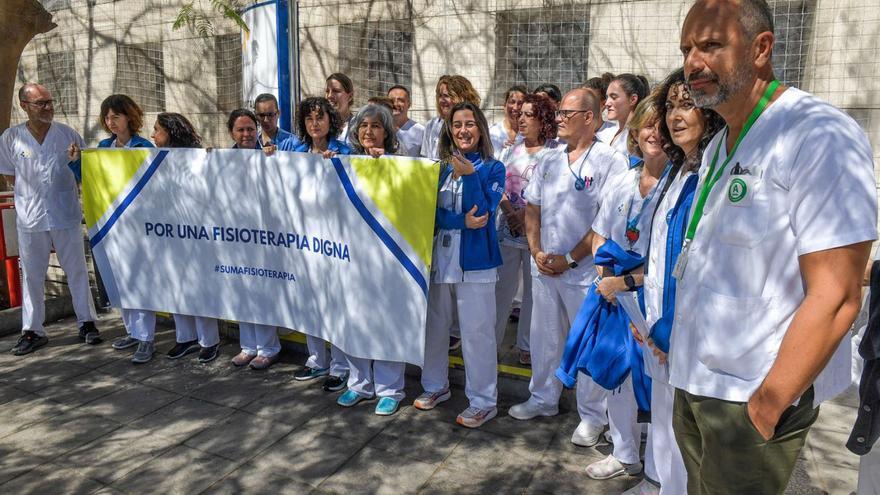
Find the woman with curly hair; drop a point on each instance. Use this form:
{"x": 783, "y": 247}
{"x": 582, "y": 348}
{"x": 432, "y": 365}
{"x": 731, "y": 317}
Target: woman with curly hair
{"x": 685, "y": 131}
{"x": 537, "y": 124}
{"x": 451, "y": 90}
{"x": 317, "y": 125}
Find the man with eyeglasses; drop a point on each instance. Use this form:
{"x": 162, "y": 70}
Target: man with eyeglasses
{"x": 563, "y": 199}
{"x": 48, "y": 215}
{"x": 266, "y": 109}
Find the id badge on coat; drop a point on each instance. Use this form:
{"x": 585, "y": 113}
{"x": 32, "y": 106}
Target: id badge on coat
{"x": 740, "y": 190}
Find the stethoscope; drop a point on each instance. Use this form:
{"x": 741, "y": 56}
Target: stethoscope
{"x": 580, "y": 183}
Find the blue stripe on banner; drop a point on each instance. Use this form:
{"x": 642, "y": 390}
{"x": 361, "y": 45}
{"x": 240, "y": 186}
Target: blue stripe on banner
{"x": 128, "y": 199}
{"x": 282, "y": 33}
{"x": 377, "y": 228}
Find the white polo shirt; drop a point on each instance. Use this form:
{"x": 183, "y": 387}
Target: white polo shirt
{"x": 622, "y": 199}
{"x": 499, "y": 136}
{"x": 801, "y": 181}
{"x": 566, "y": 213}
{"x": 431, "y": 139}
{"x": 410, "y": 137}
{"x": 606, "y": 131}
{"x": 45, "y": 188}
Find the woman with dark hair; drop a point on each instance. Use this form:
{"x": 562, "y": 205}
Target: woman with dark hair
{"x": 193, "y": 333}
{"x": 624, "y": 93}
{"x": 600, "y": 86}
{"x": 464, "y": 267}
{"x": 260, "y": 346}
{"x": 317, "y": 125}
{"x": 123, "y": 119}
{"x": 537, "y": 124}
{"x": 451, "y": 90}
{"x": 685, "y": 131}
{"x": 507, "y": 130}
{"x": 551, "y": 91}
{"x": 339, "y": 91}
{"x": 373, "y": 134}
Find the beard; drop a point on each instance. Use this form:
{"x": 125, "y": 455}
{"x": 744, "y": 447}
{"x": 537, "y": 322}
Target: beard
{"x": 727, "y": 87}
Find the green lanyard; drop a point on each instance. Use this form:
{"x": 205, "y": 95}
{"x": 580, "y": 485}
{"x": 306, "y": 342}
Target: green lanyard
{"x": 711, "y": 179}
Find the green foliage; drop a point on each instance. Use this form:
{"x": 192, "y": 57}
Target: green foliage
{"x": 196, "y": 15}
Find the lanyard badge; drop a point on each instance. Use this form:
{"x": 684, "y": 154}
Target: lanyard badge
{"x": 712, "y": 178}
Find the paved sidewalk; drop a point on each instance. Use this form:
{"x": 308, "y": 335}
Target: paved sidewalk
{"x": 78, "y": 419}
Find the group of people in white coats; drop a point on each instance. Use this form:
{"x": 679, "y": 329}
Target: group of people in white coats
{"x": 524, "y": 205}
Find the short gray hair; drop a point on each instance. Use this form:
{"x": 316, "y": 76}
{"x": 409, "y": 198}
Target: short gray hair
{"x": 384, "y": 116}
{"x": 22, "y": 91}
{"x": 756, "y": 17}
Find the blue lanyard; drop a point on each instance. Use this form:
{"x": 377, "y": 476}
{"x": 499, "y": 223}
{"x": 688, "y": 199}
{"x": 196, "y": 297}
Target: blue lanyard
{"x": 632, "y": 224}
{"x": 580, "y": 183}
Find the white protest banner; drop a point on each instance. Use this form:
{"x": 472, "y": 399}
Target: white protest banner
{"x": 339, "y": 248}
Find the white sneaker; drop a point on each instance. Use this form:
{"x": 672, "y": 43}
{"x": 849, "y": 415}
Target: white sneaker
{"x": 610, "y": 467}
{"x": 644, "y": 487}
{"x": 608, "y": 438}
{"x": 586, "y": 435}
{"x": 529, "y": 409}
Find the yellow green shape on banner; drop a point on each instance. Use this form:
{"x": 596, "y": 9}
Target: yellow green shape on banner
{"x": 105, "y": 174}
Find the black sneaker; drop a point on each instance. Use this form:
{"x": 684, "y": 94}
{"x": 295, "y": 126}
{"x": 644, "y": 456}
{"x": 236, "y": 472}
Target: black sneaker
{"x": 29, "y": 342}
{"x": 208, "y": 354}
{"x": 183, "y": 348}
{"x": 89, "y": 334}
{"x": 335, "y": 383}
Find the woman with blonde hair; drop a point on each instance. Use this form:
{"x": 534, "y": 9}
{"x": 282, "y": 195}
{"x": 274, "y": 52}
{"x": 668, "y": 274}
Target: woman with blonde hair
{"x": 451, "y": 90}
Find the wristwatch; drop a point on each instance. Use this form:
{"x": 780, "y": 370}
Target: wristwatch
{"x": 629, "y": 281}
{"x": 571, "y": 262}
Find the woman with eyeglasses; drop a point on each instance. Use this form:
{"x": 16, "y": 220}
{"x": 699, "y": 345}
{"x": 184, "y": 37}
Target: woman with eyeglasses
{"x": 624, "y": 93}
{"x": 464, "y": 266}
{"x": 537, "y": 125}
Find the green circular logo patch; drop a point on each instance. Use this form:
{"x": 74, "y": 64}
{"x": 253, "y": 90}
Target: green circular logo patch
{"x": 737, "y": 190}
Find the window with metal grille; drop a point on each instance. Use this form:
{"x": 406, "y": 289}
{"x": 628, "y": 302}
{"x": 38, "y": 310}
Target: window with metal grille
{"x": 56, "y": 71}
{"x": 376, "y": 55}
{"x": 140, "y": 74}
{"x": 55, "y": 5}
{"x": 541, "y": 45}
{"x": 793, "y": 20}
{"x": 227, "y": 69}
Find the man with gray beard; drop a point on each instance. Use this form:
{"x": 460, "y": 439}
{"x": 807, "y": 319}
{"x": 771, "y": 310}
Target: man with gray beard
{"x": 769, "y": 275}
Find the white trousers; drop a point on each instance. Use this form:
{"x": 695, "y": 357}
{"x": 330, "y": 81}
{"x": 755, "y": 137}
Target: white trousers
{"x": 514, "y": 274}
{"x": 554, "y": 306}
{"x": 665, "y": 462}
{"x": 34, "y": 249}
{"x": 475, "y": 303}
{"x": 189, "y": 328}
{"x": 375, "y": 378}
{"x": 139, "y": 323}
{"x": 259, "y": 340}
{"x": 318, "y": 357}
{"x": 626, "y": 432}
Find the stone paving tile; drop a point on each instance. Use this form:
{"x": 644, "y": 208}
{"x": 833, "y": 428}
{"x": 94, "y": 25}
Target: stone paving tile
{"x": 307, "y": 455}
{"x": 25, "y": 411}
{"x": 803, "y": 481}
{"x": 250, "y": 479}
{"x": 82, "y": 389}
{"x": 239, "y": 436}
{"x": 61, "y": 433}
{"x": 235, "y": 390}
{"x": 115, "y": 455}
{"x": 182, "y": 418}
{"x": 837, "y": 480}
{"x": 181, "y": 470}
{"x": 130, "y": 403}
{"x": 187, "y": 375}
{"x": 420, "y": 435}
{"x": 9, "y": 393}
{"x": 294, "y": 404}
{"x": 50, "y": 479}
{"x": 38, "y": 374}
{"x": 17, "y": 462}
{"x": 372, "y": 471}
{"x": 358, "y": 423}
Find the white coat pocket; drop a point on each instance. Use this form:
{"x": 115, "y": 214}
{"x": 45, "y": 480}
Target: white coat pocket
{"x": 732, "y": 338}
{"x": 744, "y": 215}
